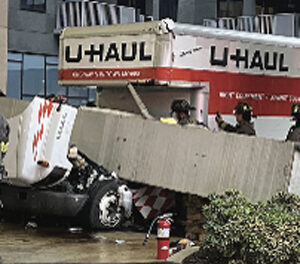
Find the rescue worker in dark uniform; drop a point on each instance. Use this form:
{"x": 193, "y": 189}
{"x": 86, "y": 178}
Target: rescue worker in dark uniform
{"x": 182, "y": 110}
{"x": 243, "y": 114}
{"x": 294, "y": 132}
{"x": 4, "y": 141}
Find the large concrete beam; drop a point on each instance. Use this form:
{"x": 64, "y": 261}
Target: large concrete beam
{"x": 190, "y": 160}
{"x": 11, "y": 107}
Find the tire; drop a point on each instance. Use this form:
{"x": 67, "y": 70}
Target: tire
{"x": 104, "y": 211}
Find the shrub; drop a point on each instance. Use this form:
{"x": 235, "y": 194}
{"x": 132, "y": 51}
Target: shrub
{"x": 242, "y": 232}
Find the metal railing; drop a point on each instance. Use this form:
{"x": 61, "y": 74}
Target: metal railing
{"x": 283, "y": 24}
{"x": 83, "y": 13}
{"x": 261, "y": 23}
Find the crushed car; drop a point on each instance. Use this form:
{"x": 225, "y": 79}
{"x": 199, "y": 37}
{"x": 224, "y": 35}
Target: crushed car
{"x": 47, "y": 176}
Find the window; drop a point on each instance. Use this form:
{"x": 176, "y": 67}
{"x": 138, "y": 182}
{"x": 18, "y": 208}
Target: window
{"x": 14, "y": 79}
{"x": 33, "y": 75}
{"x": 230, "y": 8}
{"x": 34, "y": 5}
{"x": 51, "y": 81}
{"x": 278, "y": 6}
{"x": 30, "y": 75}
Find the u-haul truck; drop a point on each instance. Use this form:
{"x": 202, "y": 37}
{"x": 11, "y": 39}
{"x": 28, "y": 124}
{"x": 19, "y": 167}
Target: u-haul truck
{"x": 212, "y": 68}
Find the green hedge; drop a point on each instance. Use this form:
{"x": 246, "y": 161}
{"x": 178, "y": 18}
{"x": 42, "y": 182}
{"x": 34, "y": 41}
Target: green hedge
{"x": 242, "y": 232}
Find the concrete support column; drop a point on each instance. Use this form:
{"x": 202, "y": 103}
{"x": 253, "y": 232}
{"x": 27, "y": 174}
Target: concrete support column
{"x": 3, "y": 44}
{"x": 194, "y": 11}
{"x": 152, "y": 8}
{"x": 249, "y": 7}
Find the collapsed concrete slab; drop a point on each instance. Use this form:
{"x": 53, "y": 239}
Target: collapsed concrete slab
{"x": 189, "y": 160}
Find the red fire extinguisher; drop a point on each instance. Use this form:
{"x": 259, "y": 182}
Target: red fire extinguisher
{"x": 163, "y": 235}
{"x": 163, "y": 238}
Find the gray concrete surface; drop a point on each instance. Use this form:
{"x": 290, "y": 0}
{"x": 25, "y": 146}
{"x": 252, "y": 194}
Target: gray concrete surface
{"x": 3, "y": 44}
{"x": 11, "y": 107}
{"x": 183, "y": 159}
{"x": 57, "y": 245}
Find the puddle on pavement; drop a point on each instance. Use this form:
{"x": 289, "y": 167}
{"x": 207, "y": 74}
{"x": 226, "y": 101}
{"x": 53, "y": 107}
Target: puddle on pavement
{"x": 57, "y": 243}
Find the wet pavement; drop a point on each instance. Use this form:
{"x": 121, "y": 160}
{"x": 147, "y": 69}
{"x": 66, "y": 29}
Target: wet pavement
{"x": 58, "y": 244}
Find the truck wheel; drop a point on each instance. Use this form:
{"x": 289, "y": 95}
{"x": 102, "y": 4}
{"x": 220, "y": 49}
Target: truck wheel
{"x": 105, "y": 211}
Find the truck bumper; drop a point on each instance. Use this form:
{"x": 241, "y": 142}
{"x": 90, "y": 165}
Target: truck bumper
{"x": 41, "y": 201}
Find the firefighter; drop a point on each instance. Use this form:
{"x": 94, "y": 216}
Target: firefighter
{"x": 4, "y": 141}
{"x": 294, "y": 132}
{"x": 182, "y": 110}
{"x": 243, "y": 114}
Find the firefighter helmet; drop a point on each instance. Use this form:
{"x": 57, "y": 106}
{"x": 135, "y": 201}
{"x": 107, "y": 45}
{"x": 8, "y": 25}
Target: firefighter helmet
{"x": 181, "y": 106}
{"x": 243, "y": 109}
{"x": 296, "y": 111}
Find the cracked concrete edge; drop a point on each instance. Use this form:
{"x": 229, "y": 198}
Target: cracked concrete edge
{"x": 181, "y": 255}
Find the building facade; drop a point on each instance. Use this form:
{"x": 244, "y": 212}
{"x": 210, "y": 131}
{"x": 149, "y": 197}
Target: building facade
{"x": 32, "y": 57}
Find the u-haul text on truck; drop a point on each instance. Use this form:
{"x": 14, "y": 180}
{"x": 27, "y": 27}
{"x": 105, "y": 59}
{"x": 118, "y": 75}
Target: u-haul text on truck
{"x": 263, "y": 70}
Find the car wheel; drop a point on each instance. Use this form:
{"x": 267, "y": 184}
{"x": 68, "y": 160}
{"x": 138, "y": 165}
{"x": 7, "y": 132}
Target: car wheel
{"x": 105, "y": 211}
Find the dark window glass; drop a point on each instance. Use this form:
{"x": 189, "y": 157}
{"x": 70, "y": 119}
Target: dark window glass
{"x": 14, "y": 79}
{"x": 78, "y": 92}
{"x": 278, "y": 6}
{"x": 77, "y": 102}
{"x": 230, "y": 8}
{"x": 14, "y": 56}
{"x": 52, "y": 60}
{"x": 28, "y": 97}
{"x": 33, "y": 75}
{"x": 92, "y": 94}
{"x": 168, "y": 9}
{"x": 52, "y": 86}
{"x": 34, "y": 5}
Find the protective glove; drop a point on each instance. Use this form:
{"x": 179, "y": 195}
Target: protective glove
{"x": 218, "y": 118}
